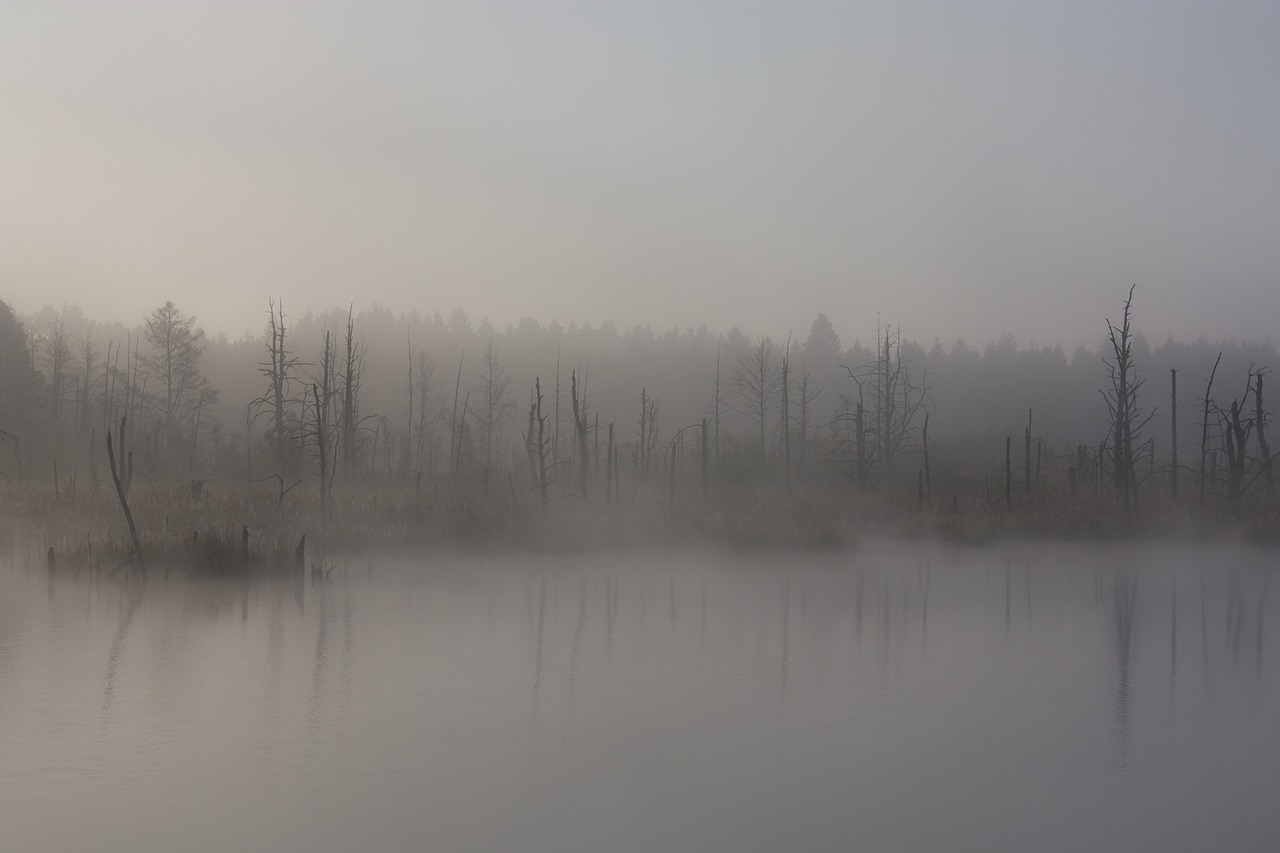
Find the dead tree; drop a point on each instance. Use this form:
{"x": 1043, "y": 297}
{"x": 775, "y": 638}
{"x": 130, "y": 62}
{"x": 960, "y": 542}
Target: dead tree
{"x": 321, "y": 436}
{"x": 705, "y": 459}
{"x": 717, "y": 407}
{"x": 785, "y": 422}
{"x": 608, "y": 469}
{"x": 455, "y": 440}
{"x": 1027, "y": 456}
{"x": 1173, "y": 426}
{"x": 84, "y": 398}
{"x": 1204, "y": 429}
{"x": 1124, "y": 417}
{"x": 1236, "y": 433}
{"x": 535, "y": 442}
{"x": 648, "y": 432}
{"x": 580, "y": 432}
{"x": 897, "y": 402}
{"x": 279, "y": 370}
{"x": 428, "y": 403}
{"x": 494, "y": 411}
{"x": 756, "y": 380}
{"x": 808, "y": 397}
{"x": 408, "y": 459}
{"x": 1260, "y": 428}
{"x": 349, "y": 423}
{"x": 856, "y": 441}
{"x": 124, "y": 504}
{"x": 924, "y": 446}
{"x": 323, "y": 392}
{"x": 57, "y": 351}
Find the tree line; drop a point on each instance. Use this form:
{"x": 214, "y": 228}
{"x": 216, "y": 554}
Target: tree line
{"x": 340, "y": 398}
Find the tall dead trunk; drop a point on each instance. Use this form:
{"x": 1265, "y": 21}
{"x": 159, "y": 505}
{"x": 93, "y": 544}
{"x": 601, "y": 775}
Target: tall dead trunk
{"x": 924, "y": 444}
{"x": 535, "y": 443}
{"x": 608, "y": 469}
{"x": 1260, "y": 427}
{"x": 580, "y": 432}
{"x": 644, "y": 437}
{"x": 786, "y": 417}
{"x": 1237, "y": 436}
{"x": 1173, "y": 428}
{"x": 454, "y": 441}
{"x": 1027, "y": 455}
{"x": 350, "y": 416}
{"x": 705, "y": 459}
{"x": 1204, "y": 429}
{"x": 124, "y": 502}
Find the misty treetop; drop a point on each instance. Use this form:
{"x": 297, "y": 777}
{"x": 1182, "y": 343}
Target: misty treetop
{"x": 339, "y": 395}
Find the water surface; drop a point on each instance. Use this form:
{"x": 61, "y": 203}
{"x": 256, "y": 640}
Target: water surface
{"x": 896, "y": 697}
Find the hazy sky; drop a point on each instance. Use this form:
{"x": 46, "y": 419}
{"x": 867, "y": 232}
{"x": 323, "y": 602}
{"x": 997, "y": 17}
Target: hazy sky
{"x": 967, "y": 168}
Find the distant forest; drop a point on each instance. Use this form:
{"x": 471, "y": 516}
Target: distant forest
{"x": 323, "y": 400}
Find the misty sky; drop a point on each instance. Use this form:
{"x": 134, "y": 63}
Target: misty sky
{"x": 965, "y": 168}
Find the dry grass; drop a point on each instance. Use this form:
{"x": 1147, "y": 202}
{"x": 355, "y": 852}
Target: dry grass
{"x": 209, "y": 536}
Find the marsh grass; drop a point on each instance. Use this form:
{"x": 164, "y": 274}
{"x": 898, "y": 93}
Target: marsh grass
{"x": 232, "y": 532}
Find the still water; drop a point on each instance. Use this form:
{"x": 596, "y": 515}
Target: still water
{"x": 895, "y": 697}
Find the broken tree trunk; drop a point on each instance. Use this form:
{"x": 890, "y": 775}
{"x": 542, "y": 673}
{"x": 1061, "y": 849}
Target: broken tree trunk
{"x": 124, "y": 505}
{"x": 1260, "y": 427}
{"x": 1204, "y": 429}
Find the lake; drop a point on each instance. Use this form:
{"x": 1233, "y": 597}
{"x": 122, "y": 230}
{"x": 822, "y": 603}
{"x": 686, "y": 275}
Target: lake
{"x": 892, "y": 697}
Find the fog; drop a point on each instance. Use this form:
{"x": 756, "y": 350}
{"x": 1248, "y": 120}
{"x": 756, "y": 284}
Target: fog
{"x": 969, "y": 170}
{"x": 639, "y": 426}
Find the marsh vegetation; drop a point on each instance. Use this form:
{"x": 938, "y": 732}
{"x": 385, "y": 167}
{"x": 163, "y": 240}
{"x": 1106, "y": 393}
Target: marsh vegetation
{"x": 368, "y": 431}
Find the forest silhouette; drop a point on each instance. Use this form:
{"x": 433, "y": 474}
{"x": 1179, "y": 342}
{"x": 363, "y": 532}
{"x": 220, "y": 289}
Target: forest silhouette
{"x": 463, "y": 434}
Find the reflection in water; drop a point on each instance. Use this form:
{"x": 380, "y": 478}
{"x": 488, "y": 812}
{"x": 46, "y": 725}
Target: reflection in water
{"x": 319, "y": 666}
{"x": 1125, "y": 600}
{"x": 786, "y": 636}
{"x": 131, "y": 596}
{"x": 1204, "y": 641}
{"x": 1173, "y": 648}
{"x": 576, "y": 647}
{"x": 924, "y": 606}
{"x": 537, "y": 658}
{"x": 1259, "y": 627}
{"x": 703, "y": 702}
{"x": 1008, "y": 596}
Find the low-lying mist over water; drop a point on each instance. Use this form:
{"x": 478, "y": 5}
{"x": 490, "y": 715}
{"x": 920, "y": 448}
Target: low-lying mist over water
{"x": 639, "y": 426}
{"x": 891, "y": 697}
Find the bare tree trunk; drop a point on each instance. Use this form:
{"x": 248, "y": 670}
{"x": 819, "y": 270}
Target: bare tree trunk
{"x": 671, "y": 496}
{"x": 1173, "y": 428}
{"x": 1237, "y": 434}
{"x": 719, "y": 401}
{"x": 608, "y": 470}
{"x": 454, "y": 441}
{"x": 1204, "y": 429}
{"x": 786, "y": 417}
{"x": 410, "y": 460}
{"x": 350, "y": 398}
{"x": 1260, "y": 427}
{"x": 124, "y": 501}
{"x": 924, "y": 443}
{"x": 322, "y": 446}
{"x": 555, "y": 441}
{"x": 536, "y": 447}
{"x": 1008, "y": 470}
{"x": 705, "y": 459}
{"x": 644, "y": 443}
{"x": 1027, "y": 453}
{"x": 580, "y": 431}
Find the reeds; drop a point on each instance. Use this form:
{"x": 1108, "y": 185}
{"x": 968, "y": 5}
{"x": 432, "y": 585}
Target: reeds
{"x": 235, "y": 532}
